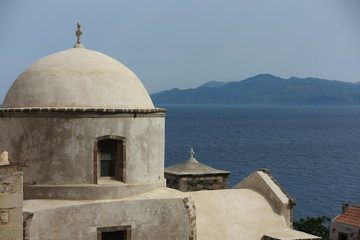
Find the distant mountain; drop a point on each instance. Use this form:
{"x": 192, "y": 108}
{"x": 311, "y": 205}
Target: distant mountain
{"x": 266, "y": 89}
{"x": 214, "y": 84}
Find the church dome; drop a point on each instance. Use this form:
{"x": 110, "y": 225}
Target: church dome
{"x": 78, "y": 77}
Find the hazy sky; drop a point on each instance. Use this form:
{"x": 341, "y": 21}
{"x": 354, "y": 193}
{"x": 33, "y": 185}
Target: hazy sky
{"x": 172, "y": 43}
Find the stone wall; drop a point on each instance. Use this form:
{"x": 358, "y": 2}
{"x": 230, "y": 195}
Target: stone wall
{"x": 58, "y": 149}
{"x": 162, "y": 214}
{"x": 197, "y": 182}
{"x": 191, "y": 211}
{"x": 67, "y": 141}
{"x": 11, "y": 201}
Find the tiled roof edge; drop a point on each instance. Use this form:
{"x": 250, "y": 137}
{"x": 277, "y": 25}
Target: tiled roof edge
{"x": 347, "y": 217}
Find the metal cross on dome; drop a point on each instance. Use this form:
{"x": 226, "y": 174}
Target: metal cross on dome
{"x": 78, "y": 33}
{"x": 191, "y": 153}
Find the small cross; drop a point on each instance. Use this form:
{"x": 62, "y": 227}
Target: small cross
{"x": 191, "y": 153}
{"x": 78, "y": 33}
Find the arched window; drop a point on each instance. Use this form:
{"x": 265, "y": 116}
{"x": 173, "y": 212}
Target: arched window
{"x": 110, "y": 158}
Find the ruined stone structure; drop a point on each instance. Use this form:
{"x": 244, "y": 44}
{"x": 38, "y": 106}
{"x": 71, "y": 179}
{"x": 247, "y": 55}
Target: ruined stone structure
{"x": 11, "y": 198}
{"x": 93, "y": 145}
{"x": 194, "y": 176}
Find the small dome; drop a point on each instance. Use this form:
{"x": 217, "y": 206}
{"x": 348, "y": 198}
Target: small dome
{"x": 78, "y": 77}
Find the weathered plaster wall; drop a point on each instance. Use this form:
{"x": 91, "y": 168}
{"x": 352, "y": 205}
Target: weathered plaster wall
{"x": 336, "y": 228}
{"x": 59, "y": 150}
{"x": 11, "y": 200}
{"x": 262, "y": 183}
{"x": 234, "y": 214}
{"x": 157, "y": 215}
{"x": 109, "y": 189}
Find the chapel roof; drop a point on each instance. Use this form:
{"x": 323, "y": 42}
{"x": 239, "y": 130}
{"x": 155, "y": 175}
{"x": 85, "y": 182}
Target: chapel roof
{"x": 78, "y": 77}
{"x": 193, "y": 167}
{"x": 351, "y": 216}
{"x": 240, "y": 214}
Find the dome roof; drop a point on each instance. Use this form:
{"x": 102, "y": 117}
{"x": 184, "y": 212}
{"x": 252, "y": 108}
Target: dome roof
{"x": 193, "y": 167}
{"x": 78, "y": 77}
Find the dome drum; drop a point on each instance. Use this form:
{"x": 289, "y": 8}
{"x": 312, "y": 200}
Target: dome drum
{"x": 86, "y": 128}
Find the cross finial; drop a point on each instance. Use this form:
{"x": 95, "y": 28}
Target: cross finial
{"x": 78, "y": 33}
{"x": 191, "y": 153}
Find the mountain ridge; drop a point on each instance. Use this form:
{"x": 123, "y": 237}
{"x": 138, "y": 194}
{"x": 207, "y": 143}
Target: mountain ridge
{"x": 265, "y": 89}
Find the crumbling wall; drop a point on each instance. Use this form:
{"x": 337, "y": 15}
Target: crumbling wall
{"x": 11, "y": 201}
{"x": 191, "y": 211}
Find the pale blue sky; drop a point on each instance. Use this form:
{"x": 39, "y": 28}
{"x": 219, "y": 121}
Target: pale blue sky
{"x": 171, "y": 43}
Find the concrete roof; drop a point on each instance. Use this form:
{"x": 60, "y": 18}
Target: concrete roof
{"x": 78, "y": 77}
{"x": 33, "y": 205}
{"x": 291, "y": 234}
{"x": 193, "y": 167}
{"x": 234, "y": 214}
{"x": 230, "y": 214}
{"x": 240, "y": 214}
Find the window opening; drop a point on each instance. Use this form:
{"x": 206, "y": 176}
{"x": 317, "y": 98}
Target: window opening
{"x": 108, "y": 157}
{"x": 114, "y": 233}
{"x": 111, "y": 159}
{"x": 118, "y": 235}
{"x": 343, "y": 236}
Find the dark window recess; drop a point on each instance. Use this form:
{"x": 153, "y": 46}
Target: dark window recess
{"x": 343, "y": 236}
{"x": 108, "y": 156}
{"x": 111, "y": 159}
{"x": 117, "y": 235}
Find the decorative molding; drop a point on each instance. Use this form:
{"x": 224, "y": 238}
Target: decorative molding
{"x": 81, "y": 110}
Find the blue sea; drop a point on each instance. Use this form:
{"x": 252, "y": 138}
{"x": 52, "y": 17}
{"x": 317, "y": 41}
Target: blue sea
{"x": 313, "y": 152}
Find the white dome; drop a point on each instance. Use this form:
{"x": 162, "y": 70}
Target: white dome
{"x": 78, "y": 77}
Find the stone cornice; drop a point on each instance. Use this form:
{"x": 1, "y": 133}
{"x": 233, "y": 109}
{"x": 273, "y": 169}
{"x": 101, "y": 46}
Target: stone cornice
{"x": 80, "y": 110}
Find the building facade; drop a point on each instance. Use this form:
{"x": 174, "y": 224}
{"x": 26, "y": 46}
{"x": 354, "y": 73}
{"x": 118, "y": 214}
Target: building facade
{"x": 346, "y": 226}
{"x": 93, "y": 145}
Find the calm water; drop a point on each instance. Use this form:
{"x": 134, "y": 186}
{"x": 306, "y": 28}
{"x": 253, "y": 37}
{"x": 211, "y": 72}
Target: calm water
{"x": 314, "y": 152}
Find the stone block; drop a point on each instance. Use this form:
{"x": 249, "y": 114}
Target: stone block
{"x": 4, "y": 187}
{"x": 4, "y": 158}
{"x": 11, "y": 232}
{"x": 11, "y": 200}
{"x": 16, "y": 216}
{"x": 4, "y": 216}
{"x": 12, "y": 184}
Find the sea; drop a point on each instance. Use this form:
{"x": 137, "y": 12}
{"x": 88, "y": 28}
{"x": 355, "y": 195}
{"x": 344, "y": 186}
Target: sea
{"x": 313, "y": 152}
